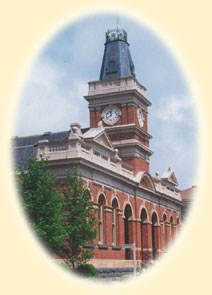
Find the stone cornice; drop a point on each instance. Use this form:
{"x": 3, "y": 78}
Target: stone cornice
{"x": 128, "y": 128}
{"x": 121, "y": 97}
{"x": 132, "y": 142}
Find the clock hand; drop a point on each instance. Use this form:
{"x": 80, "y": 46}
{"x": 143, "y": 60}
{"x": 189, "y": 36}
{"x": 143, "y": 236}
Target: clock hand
{"x": 108, "y": 114}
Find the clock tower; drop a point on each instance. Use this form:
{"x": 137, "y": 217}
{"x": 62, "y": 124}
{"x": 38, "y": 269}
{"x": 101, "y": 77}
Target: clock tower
{"x": 119, "y": 101}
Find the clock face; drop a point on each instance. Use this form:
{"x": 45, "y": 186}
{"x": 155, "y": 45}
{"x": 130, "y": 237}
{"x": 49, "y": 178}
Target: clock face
{"x": 111, "y": 115}
{"x": 140, "y": 117}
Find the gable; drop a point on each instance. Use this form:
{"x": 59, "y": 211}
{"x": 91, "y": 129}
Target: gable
{"x": 145, "y": 180}
{"x": 170, "y": 177}
{"x": 173, "y": 179}
{"x": 104, "y": 140}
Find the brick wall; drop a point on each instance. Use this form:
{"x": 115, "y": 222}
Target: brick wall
{"x": 139, "y": 233}
{"x": 139, "y": 164}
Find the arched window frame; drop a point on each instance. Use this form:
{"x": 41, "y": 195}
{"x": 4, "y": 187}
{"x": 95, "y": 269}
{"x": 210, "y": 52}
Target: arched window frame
{"x": 164, "y": 232}
{"x": 171, "y": 229}
{"x": 128, "y": 214}
{"x": 101, "y": 203}
{"x": 154, "y": 220}
{"x": 114, "y": 221}
{"x": 143, "y": 219}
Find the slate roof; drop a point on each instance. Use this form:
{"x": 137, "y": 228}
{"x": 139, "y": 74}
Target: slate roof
{"x": 25, "y": 147}
{"x": 117, "y": 61}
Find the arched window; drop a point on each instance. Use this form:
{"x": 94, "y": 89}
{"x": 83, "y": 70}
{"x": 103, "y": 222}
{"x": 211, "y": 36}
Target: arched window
{"x": 127, "y": 230}
{"x": 154, "y": 242}
{"x": 101, "y": 219}
{"x": 178, "y": 225}
{"x": 171, "y": 229}
{"x": 164, "y": 232}
{"x": 143, "y": 221}
{"x": 114, "y": 221}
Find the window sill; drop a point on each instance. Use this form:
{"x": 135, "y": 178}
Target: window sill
{"x": 103, "y": 247}
{"x": 116, "y": 248}
{"x": 89, "y": 246}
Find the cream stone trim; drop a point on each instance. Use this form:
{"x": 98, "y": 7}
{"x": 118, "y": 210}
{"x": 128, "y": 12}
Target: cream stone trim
{"x": 143, "y": 207}
{"x": 120, "y": 212}
{"x": 132, "y": 142}
{"x": 145, "y": 175}
{"x": 164, "y": 214}
{"x": 158, "y": 220}
{"x": 108, "y": 210}
{"x": 86, "y": 186}
{"x": 125, "y": 84}
{"x": 126, "y": 202}
{"x": 171, "y": 216}
{"x": 102, "y": 193}
{"x": 114, "y": 196}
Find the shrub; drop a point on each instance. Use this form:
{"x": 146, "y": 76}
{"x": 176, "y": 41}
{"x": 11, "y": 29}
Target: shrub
{"x": 87, "y": 270}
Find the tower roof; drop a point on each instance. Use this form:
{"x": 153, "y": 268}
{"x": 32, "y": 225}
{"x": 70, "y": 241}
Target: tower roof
{"x": 117, "y": 61}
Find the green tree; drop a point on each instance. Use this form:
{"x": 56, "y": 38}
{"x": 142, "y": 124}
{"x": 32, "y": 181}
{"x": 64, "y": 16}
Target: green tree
{"x": 43, "y": 204}
{"x": 80, "y": 220}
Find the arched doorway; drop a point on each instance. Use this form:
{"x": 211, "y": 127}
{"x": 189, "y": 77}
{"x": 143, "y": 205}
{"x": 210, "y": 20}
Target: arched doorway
{"x": 154, "y": 234}
{"x": 127, "y": 230}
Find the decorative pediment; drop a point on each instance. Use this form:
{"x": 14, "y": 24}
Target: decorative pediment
{"x": 145, "y": 180}
{"x": 169, "y": 176}
{"x": 104, "y": 140}
{"x": 99, "y": 136}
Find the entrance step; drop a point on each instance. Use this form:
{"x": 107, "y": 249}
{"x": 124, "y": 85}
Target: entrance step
{"x": 114, "y": 272}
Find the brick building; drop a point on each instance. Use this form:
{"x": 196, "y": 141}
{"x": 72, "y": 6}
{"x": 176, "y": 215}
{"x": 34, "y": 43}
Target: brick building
{"x": 113, "y": 155}
{"x": 187, "y": 196}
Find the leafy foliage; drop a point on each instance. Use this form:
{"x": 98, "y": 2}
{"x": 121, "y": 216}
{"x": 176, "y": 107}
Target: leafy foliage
{"x": 43, "y": 204}
{"x": 80, "y": 220}
{"x": 87, "y": 270}
{"x": 62, "y": 216}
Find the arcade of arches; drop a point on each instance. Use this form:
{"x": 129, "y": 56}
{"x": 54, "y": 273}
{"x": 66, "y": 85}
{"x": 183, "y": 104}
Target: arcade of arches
{"x": 124, "y": 219}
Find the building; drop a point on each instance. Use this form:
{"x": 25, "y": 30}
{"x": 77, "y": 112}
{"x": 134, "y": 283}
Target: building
{"x": 187, "y": 196}
{"x": 113, "y": 155}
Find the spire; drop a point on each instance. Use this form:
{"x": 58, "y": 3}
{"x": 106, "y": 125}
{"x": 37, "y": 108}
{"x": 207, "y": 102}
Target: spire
{"x": 117, "y": 61}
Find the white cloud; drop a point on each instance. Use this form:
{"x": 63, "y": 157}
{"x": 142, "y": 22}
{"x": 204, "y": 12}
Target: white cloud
{"x": 173, "y": 108}
{"x": 45, "y": 106}
{"x": 53, "y": 94}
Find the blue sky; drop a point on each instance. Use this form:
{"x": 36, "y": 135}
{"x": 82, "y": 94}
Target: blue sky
{"x": 52, "y": 96}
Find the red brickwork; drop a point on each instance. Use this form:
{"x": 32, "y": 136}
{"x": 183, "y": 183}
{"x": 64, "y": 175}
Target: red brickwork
{"x": 128, "y": 116}
{"x": 159, "y": 226}
{"x": 139, "y": 232}
{"x": 139, "y": 164}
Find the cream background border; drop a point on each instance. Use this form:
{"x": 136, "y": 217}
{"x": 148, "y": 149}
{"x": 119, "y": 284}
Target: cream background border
{"x": 25, "y": 25}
